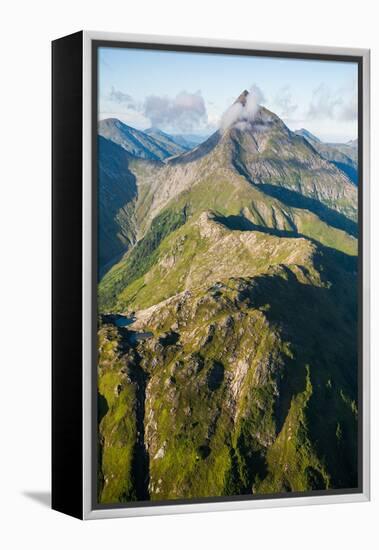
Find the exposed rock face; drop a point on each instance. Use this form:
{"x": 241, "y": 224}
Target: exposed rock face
{"x": 269, "y": 153}
{"x": 242, "y": 97}
{"x": 342, "y": 155}
{"x": 119, "y": 187}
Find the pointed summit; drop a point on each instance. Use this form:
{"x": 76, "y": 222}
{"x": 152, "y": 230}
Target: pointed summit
{"x": 242, "y": 97}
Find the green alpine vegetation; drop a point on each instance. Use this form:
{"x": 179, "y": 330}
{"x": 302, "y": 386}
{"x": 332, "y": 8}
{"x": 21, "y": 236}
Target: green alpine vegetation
{"x": 228, "y": 319}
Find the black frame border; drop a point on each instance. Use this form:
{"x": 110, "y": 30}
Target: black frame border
{"x": 358, "y": 59}
{"x": 67, "y": 271}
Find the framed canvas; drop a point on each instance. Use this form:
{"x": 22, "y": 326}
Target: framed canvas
{"x": 210, "y": 275}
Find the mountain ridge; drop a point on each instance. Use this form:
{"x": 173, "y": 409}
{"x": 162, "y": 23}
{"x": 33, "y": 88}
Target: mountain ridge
{"x": 342, "y": 155}
{"x": 138, "y": 143}
{"x": 167, "y": 140}
{"x": 227, "y": 152}
{"x": 235, "y": 371}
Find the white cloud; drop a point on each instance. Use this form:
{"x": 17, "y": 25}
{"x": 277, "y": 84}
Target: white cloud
{"x": 336, "y": 105}
{"x": 323, "y": 103}
{"x": 349, "y": 107}
{"x": 121, "y": 98}
{"x": 184, "y": 112}
{"x": 283, "y": 102}
{"x": 243, "y": 114}
{"x": 118, "y": 96}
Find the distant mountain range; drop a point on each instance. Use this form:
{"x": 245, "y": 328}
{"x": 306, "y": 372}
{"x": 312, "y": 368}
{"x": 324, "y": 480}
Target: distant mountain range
{"x": 189, "y": 141}
{"x": 342, "y": 155}
{"x": 235, "y": 264}
{"x": 168, "y": 142}
{"x": 152, "y": 144}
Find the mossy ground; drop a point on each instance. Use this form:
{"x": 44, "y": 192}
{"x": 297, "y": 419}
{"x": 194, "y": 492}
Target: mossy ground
{"x": 117, "y": 427}
{"x": 233, "y": 395}
{"x": 248, "y": 383}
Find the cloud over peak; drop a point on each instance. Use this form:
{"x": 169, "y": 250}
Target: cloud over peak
{"x": 244, "y": 110}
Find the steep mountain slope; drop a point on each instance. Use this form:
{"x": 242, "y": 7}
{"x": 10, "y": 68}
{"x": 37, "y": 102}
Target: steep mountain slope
{"x": 177, "y": 256}
{"x": 228, "y": 331}
{"x": 167, "y": 141}
{"x": 275, "y": 171}
{"x": 350, "y": 149}
{"x": 134, "y": 141}
{"x": 335, "y": 154}
{"x": 284, "y": 185}
{"x": 268, "y": 155}
{"x": 313, "y": 140}
{"x": 117, "y": 196}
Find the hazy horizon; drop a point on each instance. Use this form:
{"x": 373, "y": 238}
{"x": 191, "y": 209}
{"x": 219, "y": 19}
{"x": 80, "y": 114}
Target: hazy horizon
{"x": 188, "y": 93}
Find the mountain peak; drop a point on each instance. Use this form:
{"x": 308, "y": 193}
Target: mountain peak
{"x": 307, "y": 135}
{"x": 242, "y": 97}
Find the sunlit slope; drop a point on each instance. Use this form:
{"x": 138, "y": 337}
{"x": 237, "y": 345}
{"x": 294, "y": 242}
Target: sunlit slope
{"x": 251, "y": 383}
{"x": 236, "y": 205}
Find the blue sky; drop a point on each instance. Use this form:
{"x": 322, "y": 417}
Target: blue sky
{"x": 189, "y": 92}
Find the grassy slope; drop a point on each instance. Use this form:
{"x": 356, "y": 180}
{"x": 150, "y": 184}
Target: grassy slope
{"x": 117, "y": 426}
{"x": 246, "y": 399}
{"x": 232, "y": 198}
